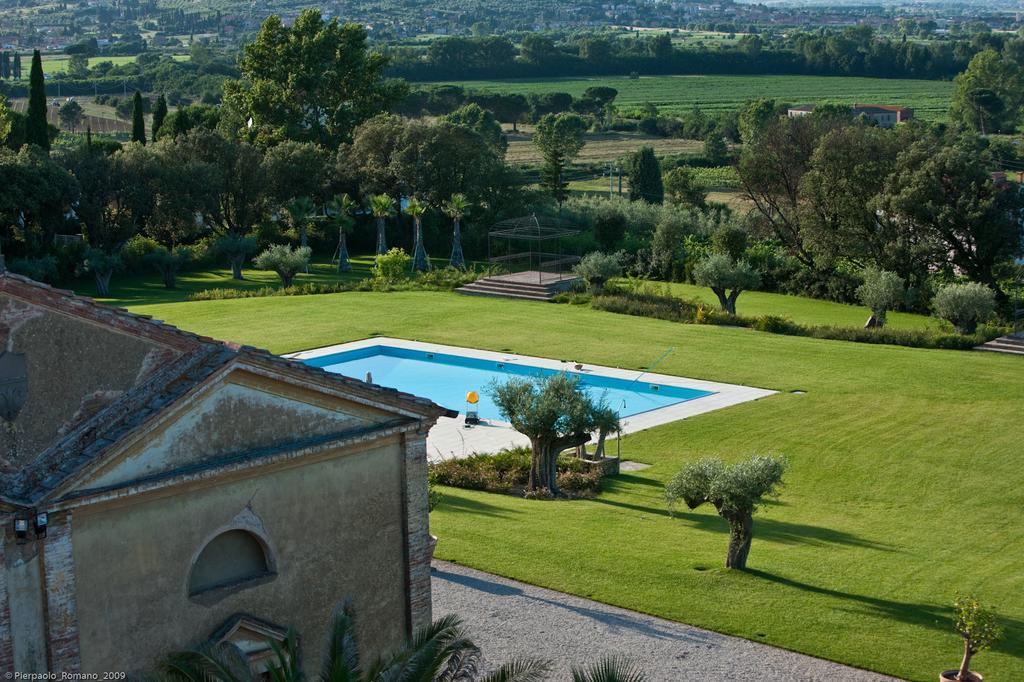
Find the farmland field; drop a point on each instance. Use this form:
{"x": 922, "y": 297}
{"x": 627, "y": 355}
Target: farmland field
{"x": 58, "y": 63}
{"x": 676, "y": 94}
{"x": 600, "y": 147}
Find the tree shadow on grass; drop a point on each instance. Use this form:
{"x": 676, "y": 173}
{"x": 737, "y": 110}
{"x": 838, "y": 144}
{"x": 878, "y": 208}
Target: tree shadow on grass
{"x": 617, "y": 482}
{"x": 925, "y": 615}
{"x": 458, "y": 504}
{"x": 615, "y": 619}
{"x": 765, "y": 528}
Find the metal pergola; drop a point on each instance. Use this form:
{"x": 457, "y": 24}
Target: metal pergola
{"x": 531, "y": 246}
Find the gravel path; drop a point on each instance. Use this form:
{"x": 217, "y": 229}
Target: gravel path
{"x": 508, "y": 618}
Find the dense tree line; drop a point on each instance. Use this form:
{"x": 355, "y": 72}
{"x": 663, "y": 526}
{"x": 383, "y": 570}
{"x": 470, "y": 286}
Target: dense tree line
{"x": 855, "y": 51}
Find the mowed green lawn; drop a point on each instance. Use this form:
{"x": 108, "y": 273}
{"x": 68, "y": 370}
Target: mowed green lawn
{"x": 905, "y": 482}
{"x": 679, "y": 94}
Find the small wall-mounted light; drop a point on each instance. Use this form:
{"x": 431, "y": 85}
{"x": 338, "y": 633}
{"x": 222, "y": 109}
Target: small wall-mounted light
{"x": 42, "y": 521}
{"x": 21, "y": 529}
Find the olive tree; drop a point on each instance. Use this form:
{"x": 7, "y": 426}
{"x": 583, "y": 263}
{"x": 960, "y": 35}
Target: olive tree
{"x": 596, "y": 268}
{"x": 735, "y": 490}
{"x": 980, "y": 630}
{"x": 726, "y": 277}
{"x": 285, "y": 261}
{"x": 555, "y": 413}
{"x": 168, "y": 262}
{"x": 965, "y": 305}
{"x": 881, "y": 292}
{"x": 236, "y": 248}
{"x": 102, "y": 266}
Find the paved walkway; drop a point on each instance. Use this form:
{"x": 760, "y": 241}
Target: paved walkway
{"x": 508, "y": 618}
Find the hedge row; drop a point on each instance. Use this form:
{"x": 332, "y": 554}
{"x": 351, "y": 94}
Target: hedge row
{"x": 676, "y": 309}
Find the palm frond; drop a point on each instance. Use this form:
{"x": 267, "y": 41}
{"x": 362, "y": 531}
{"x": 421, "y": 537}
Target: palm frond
{"x": 415, "y": 207}
{"x": 342, "y": 661}
{"x": 381, "y": 205}
{"x": 286, "y": 667}
{"x": 611, "y": 669}
{"x": 520, "y": 670}
{"x": 434, "y": 648}
{"x": 208, "y": 663}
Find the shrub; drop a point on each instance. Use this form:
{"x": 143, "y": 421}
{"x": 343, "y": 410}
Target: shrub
{"x": 597, "y": 268}
{"x": 392, "y": 266}
{"x": 881, "y": 292}
{"x": 776, "y": 324}
{"x": 964, "y": 305}
{"x": 135, "y": 250}
{"x": 42, "y": 269}
{"x": 284, "y": 260}
{"x": 508, "y": 471}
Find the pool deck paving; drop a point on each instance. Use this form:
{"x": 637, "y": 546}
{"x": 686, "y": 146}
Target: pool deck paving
{"x": 452, "y": 438}
{"x": 508, "y": 619}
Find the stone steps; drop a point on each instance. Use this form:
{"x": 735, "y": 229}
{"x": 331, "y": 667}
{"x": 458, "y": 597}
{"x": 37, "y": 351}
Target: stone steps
{"x": 1012, "y": 344}
{"x": 503, "y": 288}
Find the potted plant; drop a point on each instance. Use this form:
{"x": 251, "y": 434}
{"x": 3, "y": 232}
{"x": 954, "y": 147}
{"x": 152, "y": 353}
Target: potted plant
{"x": 979, "y": 629}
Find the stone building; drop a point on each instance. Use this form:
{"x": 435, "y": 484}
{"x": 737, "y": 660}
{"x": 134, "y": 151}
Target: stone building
{"x": 158, "y": 489}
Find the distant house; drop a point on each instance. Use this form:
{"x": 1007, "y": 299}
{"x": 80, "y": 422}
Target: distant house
{"x": 159, "y": 488}
{"x": 885, "y": 115}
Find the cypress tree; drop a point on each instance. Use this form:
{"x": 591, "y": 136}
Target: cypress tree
{"x": 88, "y": 138}
{"x": 138, "y": 122}
{"x": 645, "y": 177}
{"x": 159, "y": 114}
{"x": 37, "y": 131}
{"x": 5, "y": 65}
{"x": 17, "y": 67}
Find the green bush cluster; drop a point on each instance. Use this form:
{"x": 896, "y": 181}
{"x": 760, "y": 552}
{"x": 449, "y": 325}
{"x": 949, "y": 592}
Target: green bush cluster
{"x": 440, "y": 279}
{"x": 509, "y": 470}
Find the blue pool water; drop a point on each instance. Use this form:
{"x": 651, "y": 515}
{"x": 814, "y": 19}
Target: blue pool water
{"x": 445, "y": 379}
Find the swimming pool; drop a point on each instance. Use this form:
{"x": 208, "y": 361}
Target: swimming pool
{"x": 445, "y": 378}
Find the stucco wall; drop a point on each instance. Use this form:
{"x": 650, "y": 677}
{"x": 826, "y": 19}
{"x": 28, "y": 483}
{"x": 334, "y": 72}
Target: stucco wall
{"x": 335, "y": 528}
{"x": 74, "y": 368}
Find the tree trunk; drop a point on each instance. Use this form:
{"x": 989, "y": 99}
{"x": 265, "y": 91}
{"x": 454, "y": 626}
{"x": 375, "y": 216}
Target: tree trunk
{"x": 723, "y": 300}
{"x": 286, "y": 278}
{"x": 170, "y": 281}
{"x": 458, "y": 259}
{"x": 103, "y": 282}
{"x": 733, "y": 295}
{"x": 344, "y": 265}
{"x": 536, "y": 476}
{"x": 599, "y": 450}
{"x": 382, "y": 246}
{"x": 237, "y": 261}
{"x": 420, "y": 261}
{"x": 741, "y": 531}
{"x": 965, "y": 673}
